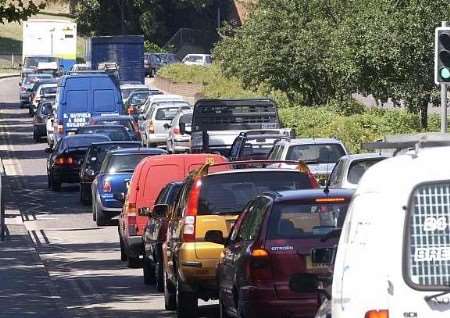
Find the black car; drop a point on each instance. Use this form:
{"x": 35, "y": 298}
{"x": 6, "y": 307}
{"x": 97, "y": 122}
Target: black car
{"x": 64, "y": 161}
{"x": 114, "y": 132}
{"x": 43, "y": 111}
{"x": 93, "y": 161}
{"x": 155, "y": 236}
{"x": 118, "y": 120}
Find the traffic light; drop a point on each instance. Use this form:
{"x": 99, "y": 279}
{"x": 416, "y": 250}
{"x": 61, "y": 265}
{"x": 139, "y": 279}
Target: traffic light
{"x": 442, "y": 55}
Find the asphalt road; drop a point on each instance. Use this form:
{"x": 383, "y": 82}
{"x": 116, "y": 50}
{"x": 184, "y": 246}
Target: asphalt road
{"x": 87, "y": 278}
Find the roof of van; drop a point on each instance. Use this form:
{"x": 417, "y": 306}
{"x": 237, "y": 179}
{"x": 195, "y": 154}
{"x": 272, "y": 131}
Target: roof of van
{"x": 398, "y": 175}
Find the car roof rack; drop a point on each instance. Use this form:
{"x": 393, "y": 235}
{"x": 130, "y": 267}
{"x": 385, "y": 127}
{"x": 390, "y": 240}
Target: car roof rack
{"x": 398, "y": 143}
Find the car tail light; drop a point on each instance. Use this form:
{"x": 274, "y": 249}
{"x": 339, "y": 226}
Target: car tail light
{"x": 61, "y": 161}
{"x": 151, "y": 127}
{"x": 131, "y": 218}
{"x": 377, "y": 314}
{"x": 176, "y": 131}
{"x": 107, "y": 186}
{"x": 259, "y": 267}
{"x": 313, "y": 181}
{"x": 191, "y": 212}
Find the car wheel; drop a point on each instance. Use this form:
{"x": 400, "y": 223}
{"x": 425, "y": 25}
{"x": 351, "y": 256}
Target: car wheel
{"x": 187, "y": 302}
{"x": 55, "y": 183}
{"x": 222, "y": 311}
{"x": 36, "y": 136}
{"x": 84, "y": 195}
{"x": 123, "y": 255}
{"x": 100, "y": 217}
{"x": 170, "y": 301}
{"x": 149, "y": 272}
{"x": 94, "y": 214}
{"x": 159, "y": 278}
{"x": 133, "y": 262}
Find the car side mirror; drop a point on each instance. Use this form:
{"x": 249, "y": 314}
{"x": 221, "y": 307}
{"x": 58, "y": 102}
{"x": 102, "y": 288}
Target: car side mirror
{"x": 167, "y": 126}
{"x": 160, "y": 210}
{"x": 48, "y": 150}
{"x": 119, "y": 197}
{"x": 214, "y": 236}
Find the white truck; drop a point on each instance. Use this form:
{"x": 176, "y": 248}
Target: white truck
{"x": 47, "y": 41}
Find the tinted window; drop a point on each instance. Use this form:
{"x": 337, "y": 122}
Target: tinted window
{"x": 124, "y": 163}
{"x": 48, "y": 90}
{"x": 115, "y": 134}
{"x": 82, "y": 141}
{"x": 298, "y": 221}
{"x": 229, "y": 193}
{"x": 317, "y": 153}
{"x": 357, "y": 169}
{"x": 251, "y": 224}
{"x": 167, "y": 113}
{"x": 187, "y": 119}
{"x": 126, "y": 92}
{"x": 120, "y": 122}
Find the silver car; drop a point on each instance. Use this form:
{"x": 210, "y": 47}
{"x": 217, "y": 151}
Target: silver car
{"x": 154, "y": 123}
{"x": 176, "y": 142}
{"x": 349, "y": 169}
{"x": 321, "y": 154}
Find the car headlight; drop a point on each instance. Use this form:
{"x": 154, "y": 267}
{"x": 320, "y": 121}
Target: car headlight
{"x": 324, "y": 310}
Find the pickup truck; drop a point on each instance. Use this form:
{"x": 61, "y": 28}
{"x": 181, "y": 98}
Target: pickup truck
{"x": 217, "y": 122}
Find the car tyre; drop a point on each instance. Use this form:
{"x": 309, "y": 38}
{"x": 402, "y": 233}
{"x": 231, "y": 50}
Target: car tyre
{"x": 55, "y": 183}
{"x": 36, "y": 136}
{"x": 84, "y": 199}
{"x": 159, "y": 277}
{"x": 170, "y": 300}
{"x": 187, "y": 302}
{"x": 123, "y": 255}
{"x": 100, "y": 217}
{"x": 149, "y": 272}
{"x": 133, "y": 262}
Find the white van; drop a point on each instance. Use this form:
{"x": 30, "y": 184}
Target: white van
{"x": 393, "y": 258}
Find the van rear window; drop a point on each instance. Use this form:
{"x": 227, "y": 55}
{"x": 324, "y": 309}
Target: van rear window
{"x": 427, "y": 248}
{"x": 235, "y": 117}
{"x": 305, "y": 221}
{"x": 230, "y": 192}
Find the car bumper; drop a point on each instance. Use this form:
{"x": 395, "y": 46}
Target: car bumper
{"x": 261, "y": 303}
{"x": 109, "y": 205}
{"x": 67, "y": 175}
{"x": 157, "y": 138}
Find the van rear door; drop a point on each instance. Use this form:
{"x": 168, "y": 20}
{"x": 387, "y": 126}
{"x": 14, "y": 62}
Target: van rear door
{"x": 106, "y": 98}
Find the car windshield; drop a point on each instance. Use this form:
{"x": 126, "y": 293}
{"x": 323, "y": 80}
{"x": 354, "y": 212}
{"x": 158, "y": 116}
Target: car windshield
{"x": 229, "y": 193}
{"x": 124, "y": 163}
{"x": 114, "y": 133}
{"x": 120, "y": 122}
{"x": 316, "y": 153}
{"x": 139, "y": 98}
{"x": 168, "y": 113}
{"x": 33, "y": 61}
{"x": 305, "y": 221}
{"x": 82, "y": 141}
{"x": 357, "y": 169}
{"x": 126, "y": 92}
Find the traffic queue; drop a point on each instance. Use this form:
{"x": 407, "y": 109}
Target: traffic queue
{"x": 219, "y": 201}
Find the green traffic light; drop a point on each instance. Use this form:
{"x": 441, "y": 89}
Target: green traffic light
{"x": 445, "y": 73}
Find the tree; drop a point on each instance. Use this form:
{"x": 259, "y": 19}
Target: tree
{"x": 17, "y": 10}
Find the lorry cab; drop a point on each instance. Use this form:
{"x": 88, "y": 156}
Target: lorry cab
{"x": 393, "y": 258}
{"x": 82, "y": 96}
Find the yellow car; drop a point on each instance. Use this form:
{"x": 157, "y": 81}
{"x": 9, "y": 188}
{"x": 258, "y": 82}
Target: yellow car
{"x": 208, "y": 205}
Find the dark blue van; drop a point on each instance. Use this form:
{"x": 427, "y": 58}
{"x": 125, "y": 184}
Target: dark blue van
{"x": 82, "y": 96}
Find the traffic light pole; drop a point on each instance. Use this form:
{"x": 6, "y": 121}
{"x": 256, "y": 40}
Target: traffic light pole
{"x": 444, "y": 108}
{"x": 444, "y": 121}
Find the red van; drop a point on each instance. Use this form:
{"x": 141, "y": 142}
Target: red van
{"x": 149, "y": 177}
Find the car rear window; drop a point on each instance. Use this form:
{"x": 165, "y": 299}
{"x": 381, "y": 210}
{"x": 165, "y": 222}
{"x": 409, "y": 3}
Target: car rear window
{"x": 114, "y": 134}
{"x": 120, "y": 122}
{"x": 357, "y": 169}
{"x": 166, "y": 113}
{"x": 305, "y": 221}
{"x": 48, "y": 90}
{"x": 124, "y": 163}
{"x": 317, "y": 153}
{"x": 99, "y": 153}
{"x": 83, "y": 141}
{"x": 229, "y": 193}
